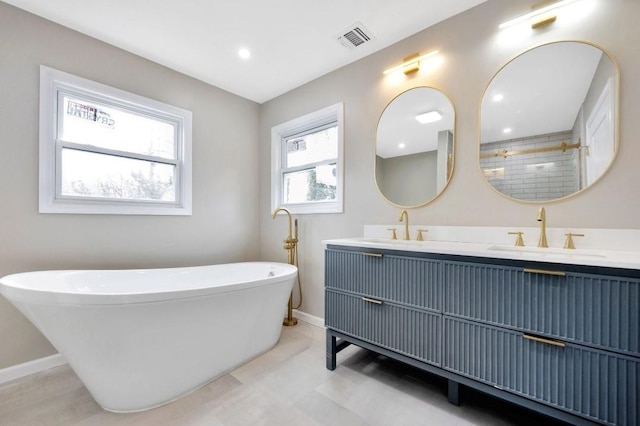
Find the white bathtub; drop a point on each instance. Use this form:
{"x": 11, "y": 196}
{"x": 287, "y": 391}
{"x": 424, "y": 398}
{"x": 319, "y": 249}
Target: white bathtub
{"x": 142, "y": 338}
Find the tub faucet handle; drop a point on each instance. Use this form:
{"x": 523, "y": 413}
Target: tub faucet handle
{"x": 568, "y": 244}
{"x": 519, "y": 240}
{"x": 394, "y": 236}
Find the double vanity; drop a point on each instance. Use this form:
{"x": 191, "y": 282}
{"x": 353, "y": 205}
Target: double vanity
{"x": 555, "y": 330}
{"x": 547, "y": 326}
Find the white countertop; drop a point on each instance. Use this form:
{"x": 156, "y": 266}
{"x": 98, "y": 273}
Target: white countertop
{"x": 626, "y": 259}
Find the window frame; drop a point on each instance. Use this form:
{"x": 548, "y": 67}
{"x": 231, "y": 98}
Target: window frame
{"x": 54, "y": 85}
{"x": 298, "y": 127}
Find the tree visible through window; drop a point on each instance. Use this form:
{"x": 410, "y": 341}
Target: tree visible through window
{"x": 310, "y": 166}
{"x": 108, "y": 152}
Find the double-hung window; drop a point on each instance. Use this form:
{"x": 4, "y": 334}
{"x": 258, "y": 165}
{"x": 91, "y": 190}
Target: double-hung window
{"x": 104, "y": 150}
{"x": 307, "y": 173}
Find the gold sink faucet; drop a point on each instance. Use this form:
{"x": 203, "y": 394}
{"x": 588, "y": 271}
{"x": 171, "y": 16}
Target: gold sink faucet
{"x": 542, "y": 218}
{"x": 405, "y": 215}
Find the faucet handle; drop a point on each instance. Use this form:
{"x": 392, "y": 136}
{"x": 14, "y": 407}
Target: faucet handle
{"x": 568, "y": 244}
{"x": 394, "y": 236}
{"x": 519, "y": 240}
{"x": 419, "y": 236}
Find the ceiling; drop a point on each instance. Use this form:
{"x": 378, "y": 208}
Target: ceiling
{"x": 291, "y": 41}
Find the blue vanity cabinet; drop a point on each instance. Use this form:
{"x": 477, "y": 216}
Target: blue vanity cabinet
{"x": 389, "y": 300}
{"x": 563, "y": 340}
{"x": 597, "y": 384}
{"x": 590, "y": 309}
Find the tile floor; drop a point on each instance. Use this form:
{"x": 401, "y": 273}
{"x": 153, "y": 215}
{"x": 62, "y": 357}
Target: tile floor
{"x": 288, "y": 385}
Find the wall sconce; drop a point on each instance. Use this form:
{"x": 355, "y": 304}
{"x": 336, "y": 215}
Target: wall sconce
{"x": 410, "y": 64}
{"x": 540, "y": 15}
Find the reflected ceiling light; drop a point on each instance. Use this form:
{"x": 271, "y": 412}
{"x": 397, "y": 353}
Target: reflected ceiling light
{"x": 244, "y": 53}
{"x": 428, "y": 117}
{"x": 411, "y": 63}
{"x": 540, "y": 15}
{"x": 498, "y": 97}
{"x": 506, "y": 130}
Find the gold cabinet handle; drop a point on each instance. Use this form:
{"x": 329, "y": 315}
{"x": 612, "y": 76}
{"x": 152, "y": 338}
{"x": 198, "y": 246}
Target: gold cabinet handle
{"x": 545, "y": 272}
{"x": 377, "y": 302}
{"x": 543, "y": 340}
{"x": 372, "y": 254}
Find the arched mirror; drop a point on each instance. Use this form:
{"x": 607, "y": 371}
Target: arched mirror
{"x": 414, "y": 147}
{"x": 548, "y": 122}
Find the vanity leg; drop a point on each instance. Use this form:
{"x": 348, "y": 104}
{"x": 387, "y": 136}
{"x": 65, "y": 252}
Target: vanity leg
{"x": 331, "y": 351}
{"x": 454, "y": 393}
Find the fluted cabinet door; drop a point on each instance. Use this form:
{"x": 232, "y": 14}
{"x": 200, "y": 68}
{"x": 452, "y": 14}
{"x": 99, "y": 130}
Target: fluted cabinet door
{"x": 595, "y": 310}
{"x": 411, "y": 332}
{"x": 407, "y": 280}
{"x": 596, "y": 384}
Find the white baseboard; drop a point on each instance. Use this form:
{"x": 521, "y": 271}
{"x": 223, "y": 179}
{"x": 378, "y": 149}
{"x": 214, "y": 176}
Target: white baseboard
{"x": 37, "y": 365}
{"x": 309, "y": 319}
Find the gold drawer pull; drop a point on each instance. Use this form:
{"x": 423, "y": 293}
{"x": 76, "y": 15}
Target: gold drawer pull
{"x": 377, "y": 302}
{"x": 545, "y": 272}
{"x": 542, "y": 340}
{"x": 372, "y": 254}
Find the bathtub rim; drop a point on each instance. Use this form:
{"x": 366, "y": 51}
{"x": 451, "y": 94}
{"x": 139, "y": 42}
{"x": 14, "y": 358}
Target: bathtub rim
{"x": 13, "y": 290}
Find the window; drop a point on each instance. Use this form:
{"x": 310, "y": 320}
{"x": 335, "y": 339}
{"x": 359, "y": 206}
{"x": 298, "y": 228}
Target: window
{"x": 104, "y": 150}
{"x": 307, "y": 165}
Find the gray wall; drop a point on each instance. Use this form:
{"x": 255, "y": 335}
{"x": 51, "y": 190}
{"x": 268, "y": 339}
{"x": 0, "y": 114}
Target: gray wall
{"x": 472, "y": 51}
{"x": 224, "y": 224}
{"x": 408, "y": 180}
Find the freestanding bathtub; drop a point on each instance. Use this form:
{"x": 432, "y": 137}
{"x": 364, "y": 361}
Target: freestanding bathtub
{"x": 142, "y": 338}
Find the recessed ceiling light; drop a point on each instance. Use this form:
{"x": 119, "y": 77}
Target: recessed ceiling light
{"x": 498, "y": 97}
{"x": 244, "y": 53}
{"x": 506, "y": 130}
{"x": 428, "y": 117}
{"x": 401, "y": 145}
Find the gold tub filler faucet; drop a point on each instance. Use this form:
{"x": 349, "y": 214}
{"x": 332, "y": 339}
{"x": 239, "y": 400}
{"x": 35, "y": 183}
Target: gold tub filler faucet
{"x": 290, "y": 245}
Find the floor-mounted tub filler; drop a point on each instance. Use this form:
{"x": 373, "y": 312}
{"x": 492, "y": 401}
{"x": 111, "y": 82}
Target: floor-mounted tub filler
{"x": 139, "y": 339}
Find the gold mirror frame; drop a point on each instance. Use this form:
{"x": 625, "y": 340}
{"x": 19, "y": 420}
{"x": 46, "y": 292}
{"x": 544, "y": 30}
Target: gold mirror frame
{"x": 564, "y": 146}
{"x": 445, "y": 106}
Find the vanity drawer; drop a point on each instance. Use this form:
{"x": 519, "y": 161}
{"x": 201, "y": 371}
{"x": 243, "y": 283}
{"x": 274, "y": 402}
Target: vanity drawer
{"x": 596, "y": 310}
{"x": 596, "y": 384}
{"x": 411, "y": 332}
{"x": 407, "y": 280}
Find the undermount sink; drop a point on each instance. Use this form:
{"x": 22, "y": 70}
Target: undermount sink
{"x": 549, "y": 251}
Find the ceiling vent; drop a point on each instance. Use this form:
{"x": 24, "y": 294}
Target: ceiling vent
{"x": 354, "y": 36}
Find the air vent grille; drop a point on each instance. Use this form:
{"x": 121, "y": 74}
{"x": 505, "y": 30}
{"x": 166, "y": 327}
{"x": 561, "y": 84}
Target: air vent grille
{"x": 354, "y": 36}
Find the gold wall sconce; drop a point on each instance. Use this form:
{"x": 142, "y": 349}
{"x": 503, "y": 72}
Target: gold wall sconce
{"x": 410, "y": 64}
{"x": 541, "y": 14}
